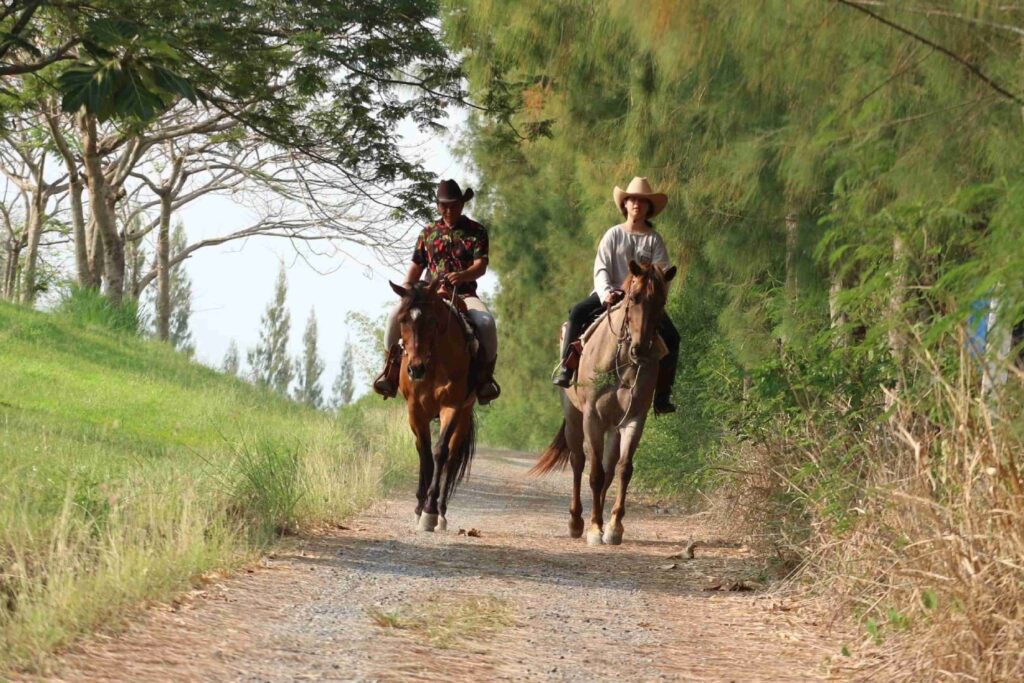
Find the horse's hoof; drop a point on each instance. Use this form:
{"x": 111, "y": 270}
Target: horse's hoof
{"x": 594, "y": 537}
{"x": 427, "y": 522}
{"x": 575, "y": 528}
{"x": 612, "y": 536}
{"x": 442, "y": 524}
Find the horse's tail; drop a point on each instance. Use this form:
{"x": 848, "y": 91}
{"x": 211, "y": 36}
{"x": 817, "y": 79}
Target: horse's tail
{"x": 460, "y": 460}
{"x": 555, "y": 457}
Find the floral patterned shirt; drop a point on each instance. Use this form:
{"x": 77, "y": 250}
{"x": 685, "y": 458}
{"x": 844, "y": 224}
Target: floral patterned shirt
{"x": 442, "y": 250}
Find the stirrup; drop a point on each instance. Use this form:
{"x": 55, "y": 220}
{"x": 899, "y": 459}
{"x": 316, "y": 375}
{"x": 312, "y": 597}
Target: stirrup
{"x": 386, "y": 383}
{"x": 487, "y": 392}
{"x": 563, "y": 377}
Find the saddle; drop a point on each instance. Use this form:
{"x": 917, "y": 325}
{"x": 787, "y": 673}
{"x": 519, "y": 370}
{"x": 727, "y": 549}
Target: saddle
{"x": 572, "y": 362}
{"x": 458, "y": 306}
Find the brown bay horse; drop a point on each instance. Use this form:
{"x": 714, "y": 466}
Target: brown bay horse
{"x": 435, "y": 381}
{"x": 606, "y": 409}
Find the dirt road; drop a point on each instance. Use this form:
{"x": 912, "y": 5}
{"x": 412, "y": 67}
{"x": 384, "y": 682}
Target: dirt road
{"x": 519, "y": 601}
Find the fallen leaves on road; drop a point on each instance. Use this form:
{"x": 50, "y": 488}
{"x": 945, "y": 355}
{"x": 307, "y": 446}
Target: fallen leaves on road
{"x": 475, "y": 533}
{"x": 733, "y": 586}
{"x": 687, "y": 554}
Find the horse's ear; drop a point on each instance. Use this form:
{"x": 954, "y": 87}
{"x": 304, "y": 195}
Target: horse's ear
{"x": 669, "y": 274}
{"x": 635, "y": 268}
{"x": 399, "y": 290}
{"x": 434, "y": 285}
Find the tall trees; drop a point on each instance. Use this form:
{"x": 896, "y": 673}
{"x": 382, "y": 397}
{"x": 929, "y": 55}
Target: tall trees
{"x": 183, "y": 99}
{"x": 269, "y": 362}
{"x": 344, "y": 383}
{"x": 310, "y": 366}
{"x": 179, "y": 302}
{"x": 231, "y": 364}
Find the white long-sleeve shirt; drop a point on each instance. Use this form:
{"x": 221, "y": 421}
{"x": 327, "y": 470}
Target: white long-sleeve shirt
{"x": 617, "y": 247}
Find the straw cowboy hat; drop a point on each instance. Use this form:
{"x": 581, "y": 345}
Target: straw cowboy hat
{"x": 448, "y": 192}
{"x": 641, "y": 189}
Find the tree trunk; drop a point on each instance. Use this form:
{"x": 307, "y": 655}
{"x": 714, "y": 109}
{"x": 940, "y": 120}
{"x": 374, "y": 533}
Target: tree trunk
{"x": 101, "y": 204}
{"x": 11, "y": 271}
{"x": 838, "y": 318}
{"x": 791, "y": 291}
{"x": 83, "y": 260}
{"x": 36, "y": 216}
{"x": 163, "y": 270}
{"x": 94, "y": 245}
{"x": 85, "y": 275}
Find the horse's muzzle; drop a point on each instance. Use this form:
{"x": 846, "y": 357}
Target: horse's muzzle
{"x": 417, "y": 372}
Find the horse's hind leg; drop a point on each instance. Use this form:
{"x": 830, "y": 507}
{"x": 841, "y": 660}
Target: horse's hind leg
{"x": 574, "y": 441}
{"x": 630, "y": 437}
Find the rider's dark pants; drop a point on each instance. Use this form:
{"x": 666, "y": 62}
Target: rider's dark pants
{"x": 587, "y": 311}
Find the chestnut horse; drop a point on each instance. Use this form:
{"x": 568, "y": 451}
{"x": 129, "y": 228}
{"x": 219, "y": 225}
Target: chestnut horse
{"x": 614, "y": 390}
{"x": 435, "y": 381}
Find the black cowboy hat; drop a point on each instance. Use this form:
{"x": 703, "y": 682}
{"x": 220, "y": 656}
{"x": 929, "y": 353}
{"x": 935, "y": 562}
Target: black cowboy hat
{"x": 448, "y": 191}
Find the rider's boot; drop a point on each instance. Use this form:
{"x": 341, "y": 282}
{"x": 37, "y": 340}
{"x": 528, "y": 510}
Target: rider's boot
{"x": 386, "y": 383}
{"x": 563, "y": 378}
{"x": 487, "y": 389}
{"x": 663, "y": 389}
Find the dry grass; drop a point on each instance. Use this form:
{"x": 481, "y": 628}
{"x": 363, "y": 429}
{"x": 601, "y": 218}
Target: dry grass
{"x": 445, "y": 622}
{"x": 919, "y": 537}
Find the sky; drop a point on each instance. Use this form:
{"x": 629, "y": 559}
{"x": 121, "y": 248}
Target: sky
{"x": 233, "y": 283}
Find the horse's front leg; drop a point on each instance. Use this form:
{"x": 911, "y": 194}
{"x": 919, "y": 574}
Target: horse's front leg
{"x": 629, "y": 435}
{"x": 421, "y": 430}
{"x": 429, "y": 518}
{"x": 593, "y": 446}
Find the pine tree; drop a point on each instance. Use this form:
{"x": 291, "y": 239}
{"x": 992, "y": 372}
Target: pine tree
{"x": 231, "y": 363}
{"x": 311, "y": 367}
{"x": 269, "y": 361}
{"x": 181, "y": 297}
{"x": 344, "y": 384}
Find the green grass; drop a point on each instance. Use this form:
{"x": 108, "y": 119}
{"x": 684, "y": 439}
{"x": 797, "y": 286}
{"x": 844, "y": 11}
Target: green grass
{"x": 127, "y": 471}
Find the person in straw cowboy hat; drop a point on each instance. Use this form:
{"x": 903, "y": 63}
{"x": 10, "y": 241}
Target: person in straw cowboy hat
{"x": 455, "y": 249}
{"x": 635, "y": 239}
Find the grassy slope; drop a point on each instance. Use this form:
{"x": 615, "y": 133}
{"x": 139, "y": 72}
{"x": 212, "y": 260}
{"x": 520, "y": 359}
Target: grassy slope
{"x": 126, "y": 471}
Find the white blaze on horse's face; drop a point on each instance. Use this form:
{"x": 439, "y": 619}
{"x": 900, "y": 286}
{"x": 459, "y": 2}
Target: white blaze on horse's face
{"x": 417, "y": 339}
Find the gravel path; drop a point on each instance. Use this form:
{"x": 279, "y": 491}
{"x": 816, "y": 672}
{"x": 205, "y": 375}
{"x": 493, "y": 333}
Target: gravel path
{"x": 521, "y": 601}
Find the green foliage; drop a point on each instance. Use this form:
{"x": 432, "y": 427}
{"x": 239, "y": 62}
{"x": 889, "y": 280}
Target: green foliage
{"x": 89, "y": 307}
{"x": 837, "y": 189}
{"x": 128, "y": 471}
{"x": 269, "y": 363}
{"x": 310, "y": 366}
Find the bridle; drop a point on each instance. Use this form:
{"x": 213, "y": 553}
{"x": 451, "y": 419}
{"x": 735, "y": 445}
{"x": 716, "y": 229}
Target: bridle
{"x": 640, "y": 362}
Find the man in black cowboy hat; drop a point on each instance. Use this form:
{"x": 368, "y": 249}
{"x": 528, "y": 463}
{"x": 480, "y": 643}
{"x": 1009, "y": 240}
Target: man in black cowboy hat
{"x": 454, "y": 249}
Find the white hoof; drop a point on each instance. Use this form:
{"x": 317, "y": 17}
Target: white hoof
{"x": 594, "y": 537}
{"x": 613, "y": 536}
{"x": 442, "y": 524}
{"x": 427, "y": 522}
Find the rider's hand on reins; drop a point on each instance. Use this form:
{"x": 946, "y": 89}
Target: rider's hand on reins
{"x": 613, "y": 297}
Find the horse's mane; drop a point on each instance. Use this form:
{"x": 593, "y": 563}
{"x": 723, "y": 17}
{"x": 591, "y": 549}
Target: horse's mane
{"x": 653, "y": 280}
{"x": 419, "y": 294}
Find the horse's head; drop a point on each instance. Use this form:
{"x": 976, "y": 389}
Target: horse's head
{"x": 418, "y": 318}
{"x": 646, "y": 291}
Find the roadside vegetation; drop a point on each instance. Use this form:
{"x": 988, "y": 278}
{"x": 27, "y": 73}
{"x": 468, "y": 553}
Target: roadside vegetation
{"x": 845, "y": 183}
{"x": 128, "y": 470}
